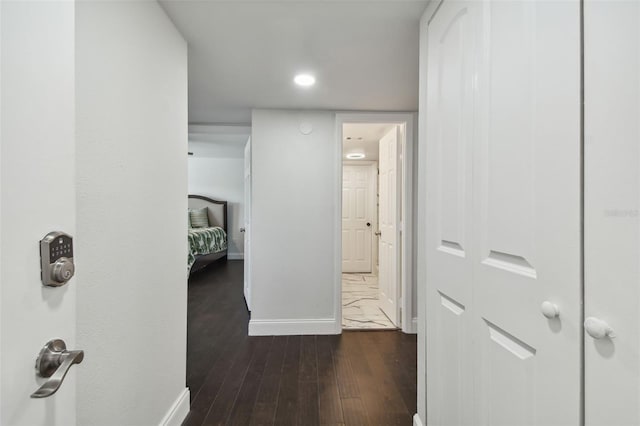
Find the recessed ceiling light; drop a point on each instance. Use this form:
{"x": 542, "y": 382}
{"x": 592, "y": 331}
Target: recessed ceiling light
{"x": 304, "y": 80}
{"x": 355, "y": 156}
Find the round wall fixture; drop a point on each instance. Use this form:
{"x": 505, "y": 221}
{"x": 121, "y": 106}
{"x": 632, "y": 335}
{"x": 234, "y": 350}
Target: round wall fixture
{"x": 306, "y": 128}
{"x": 355, "y": 156}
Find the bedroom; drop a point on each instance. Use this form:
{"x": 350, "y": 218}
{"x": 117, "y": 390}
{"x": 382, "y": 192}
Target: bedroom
{"x": 216, "y": 173}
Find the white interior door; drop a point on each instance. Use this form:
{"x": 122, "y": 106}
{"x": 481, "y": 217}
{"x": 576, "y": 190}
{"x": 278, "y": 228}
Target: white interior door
{"x": 389, "y": 224}
{"x": 247, "y": 223}
{"x": 612, "y": 206}
{"x": 527, "y": 215}
{"x": 452, "y": 38}
{"x": 37, "y": 177}
{"x": 357, "y": 217}
{"x": 503, "y": 255}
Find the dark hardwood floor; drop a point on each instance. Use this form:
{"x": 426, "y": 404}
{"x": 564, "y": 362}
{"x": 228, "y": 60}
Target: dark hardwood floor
{"x": 357, "y": 378}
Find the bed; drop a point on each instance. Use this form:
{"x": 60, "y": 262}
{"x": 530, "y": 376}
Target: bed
{"x": 207, "y": 243}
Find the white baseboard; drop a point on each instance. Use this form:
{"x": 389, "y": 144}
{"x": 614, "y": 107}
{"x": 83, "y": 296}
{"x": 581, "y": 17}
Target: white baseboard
{"x": 291, "y": 327}
{"x": 417, "y": 421}
{"x": 235, "y": 256}
{"x": 178, "y": 411}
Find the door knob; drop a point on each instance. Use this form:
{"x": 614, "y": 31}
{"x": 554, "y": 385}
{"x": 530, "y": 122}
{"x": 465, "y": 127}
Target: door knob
{"x": 242, "y": 229}
{"x": 54, "y": 361}
{"x": 598, "y": 329}
{"x": 550, "y": 310}
{"x": 369, "y": 224}
{"x": 378, "y": 233}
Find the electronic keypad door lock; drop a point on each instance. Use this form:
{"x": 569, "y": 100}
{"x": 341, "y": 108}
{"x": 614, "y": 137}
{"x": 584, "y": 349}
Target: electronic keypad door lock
{"x": 56, "y": 259}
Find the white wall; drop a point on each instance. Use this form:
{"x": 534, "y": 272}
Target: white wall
{"x": 131, "y": 246}
{"x": 294, "y": 189}
{"x": 222, "y": 179}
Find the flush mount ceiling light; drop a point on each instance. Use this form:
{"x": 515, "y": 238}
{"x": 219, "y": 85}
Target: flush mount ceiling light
{"x": 355, "y": 156}
{"x": 304, "y": 80}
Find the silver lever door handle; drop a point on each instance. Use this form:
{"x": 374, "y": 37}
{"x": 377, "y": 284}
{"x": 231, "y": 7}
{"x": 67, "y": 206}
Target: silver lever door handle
{"x": 54, "y": 361}
{"x": 378, "y": 233}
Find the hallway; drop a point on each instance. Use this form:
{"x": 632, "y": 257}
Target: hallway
{"x": 358, "y": 378}
{"x": 360, "y": 306}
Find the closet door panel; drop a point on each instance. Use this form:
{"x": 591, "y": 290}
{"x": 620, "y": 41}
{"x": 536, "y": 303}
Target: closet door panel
{"x": 503, "y": 197}
{"x": 453, "y": 35}
{"x": 526, "y": 189}
{"x": 612, "y": 205}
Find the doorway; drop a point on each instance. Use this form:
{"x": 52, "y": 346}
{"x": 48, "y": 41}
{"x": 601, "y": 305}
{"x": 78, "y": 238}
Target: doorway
{"x": 375, "y": 278}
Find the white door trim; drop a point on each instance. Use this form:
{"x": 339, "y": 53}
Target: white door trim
{"x": 408, "y": 143}
{"x": 421, "y": 211}
{"x": 246, "y": 255}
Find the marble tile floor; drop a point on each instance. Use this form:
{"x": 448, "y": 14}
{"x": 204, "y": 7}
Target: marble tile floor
{"x": 360, "y": 304}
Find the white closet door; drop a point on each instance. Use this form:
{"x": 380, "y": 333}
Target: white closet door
{"x": 612, "y": 205}
{"x": 452, "y": 38}
{"x": 527, "y": 215}
{"x": 503, "y": 196}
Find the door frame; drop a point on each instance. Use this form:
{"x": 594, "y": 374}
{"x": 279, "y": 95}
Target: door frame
{"x": 247, "y": 223}
{"x": 373, "y": 185}
{"x": 407, "y": 277}
{"x": 429, "y": 13}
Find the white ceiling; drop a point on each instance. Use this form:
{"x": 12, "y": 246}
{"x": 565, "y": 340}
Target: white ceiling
{"x": 244, "y": 54}
{"x": 218, "y": 141}
{"x": 365, "y": 138}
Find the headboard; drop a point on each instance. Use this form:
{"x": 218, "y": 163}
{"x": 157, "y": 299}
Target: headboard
{"x": 217, "y": 209}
